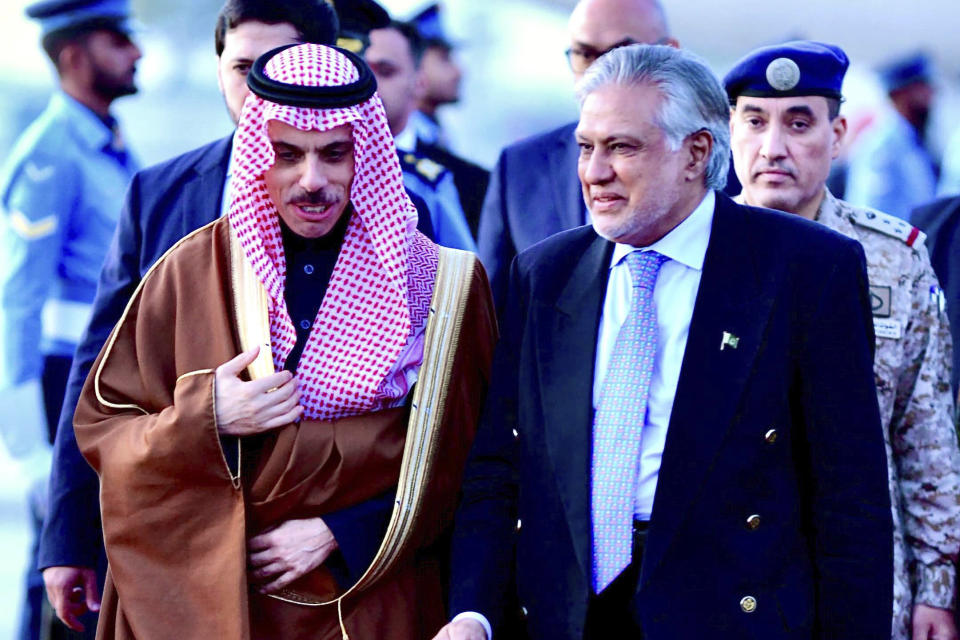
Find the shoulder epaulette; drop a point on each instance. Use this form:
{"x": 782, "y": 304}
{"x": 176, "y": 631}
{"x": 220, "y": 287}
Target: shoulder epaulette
{"x": 889, "y": 225}
{"x": 427, "y": 169}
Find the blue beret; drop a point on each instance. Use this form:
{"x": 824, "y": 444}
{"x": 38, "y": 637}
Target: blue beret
{"x": 798, "y": 68}
{"x": 903, "y": 71}
{"x": 57, "y": 15}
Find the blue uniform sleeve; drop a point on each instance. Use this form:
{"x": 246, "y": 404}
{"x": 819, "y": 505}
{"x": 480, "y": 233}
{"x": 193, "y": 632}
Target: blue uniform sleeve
{"x": 71, "y": 533}
{"x": 38, "y": 204}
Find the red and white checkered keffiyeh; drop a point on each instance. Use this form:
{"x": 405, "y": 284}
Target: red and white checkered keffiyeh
{"x": 380, "y": 288}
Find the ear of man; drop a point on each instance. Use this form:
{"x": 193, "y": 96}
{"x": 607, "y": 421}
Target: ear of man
{"x": 698, "y": 146}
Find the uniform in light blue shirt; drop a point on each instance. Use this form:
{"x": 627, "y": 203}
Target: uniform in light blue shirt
{"x": 61, "y": 191}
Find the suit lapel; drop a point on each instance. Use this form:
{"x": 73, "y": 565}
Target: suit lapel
{"x": 201, "y": 199}
{"x": 566, "y": 354}
{"x": 735, "y": 296}
{"x": 567, "y": 194}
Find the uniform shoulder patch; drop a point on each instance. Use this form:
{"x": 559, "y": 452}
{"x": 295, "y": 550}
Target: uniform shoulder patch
{"x": 429, "y": 169}
{"x": 426, "y": 169}
{"x": 888, "y": 225}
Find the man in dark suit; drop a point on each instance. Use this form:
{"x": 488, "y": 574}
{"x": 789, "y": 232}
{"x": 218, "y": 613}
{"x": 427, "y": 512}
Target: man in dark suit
{"x": 163, "y": 204}
{"x": 940, "y": 220}
{"x": 719, "y": 470}
{"x": 534, "y": 191}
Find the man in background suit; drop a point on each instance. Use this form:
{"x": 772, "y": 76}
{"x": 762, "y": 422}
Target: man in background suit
{"x": 163, "y": 204}
{"x": 720, "y": 470}
{"x": 533, "y": 191}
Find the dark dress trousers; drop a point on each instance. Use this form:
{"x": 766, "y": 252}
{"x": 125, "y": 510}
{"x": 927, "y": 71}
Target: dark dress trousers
{"x": 164, "y": 203}
{"x": 940, "y": 220}
{"x": 771, "y": 518}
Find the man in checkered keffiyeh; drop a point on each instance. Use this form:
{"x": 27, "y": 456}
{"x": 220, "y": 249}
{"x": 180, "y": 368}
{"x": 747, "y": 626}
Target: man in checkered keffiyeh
{"x": 274, "y": 353}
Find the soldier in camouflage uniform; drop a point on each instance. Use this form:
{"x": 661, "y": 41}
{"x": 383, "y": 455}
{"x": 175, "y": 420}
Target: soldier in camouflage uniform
{"x": 785, "y": 130}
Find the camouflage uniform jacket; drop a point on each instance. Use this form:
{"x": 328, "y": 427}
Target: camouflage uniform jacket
{"x": 912, "y": 370}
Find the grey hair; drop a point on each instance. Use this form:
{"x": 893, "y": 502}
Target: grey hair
{"x": 693, "y": 99}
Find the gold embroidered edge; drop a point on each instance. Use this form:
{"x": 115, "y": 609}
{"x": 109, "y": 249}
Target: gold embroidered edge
{"x": 447, "y": 308}
{"x": 123, "y": 317}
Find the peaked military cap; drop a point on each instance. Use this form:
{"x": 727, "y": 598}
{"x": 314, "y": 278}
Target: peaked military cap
{"x": 357, "y": 19}
{"x": 906, "y": 70}
{"x": 430, "y": 27}
{"x": 59, "y": 15}
{"x": 798, "y": 68}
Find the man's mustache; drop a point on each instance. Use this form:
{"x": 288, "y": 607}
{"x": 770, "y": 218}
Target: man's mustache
{"x": 321, "y": 197}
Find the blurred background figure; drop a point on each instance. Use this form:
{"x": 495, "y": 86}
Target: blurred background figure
{"x": 60, "y": 189}
{"x": 441, "y": 76}
{"x": 891, "y": 168}
{"x": 394, "y": 56}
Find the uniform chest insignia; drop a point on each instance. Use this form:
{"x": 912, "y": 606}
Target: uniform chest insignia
{"x": 38, "y": 174}
{"x": 30, "y": 229}
{"x": 880, "y": 300}
{"x": 888, "y": 225}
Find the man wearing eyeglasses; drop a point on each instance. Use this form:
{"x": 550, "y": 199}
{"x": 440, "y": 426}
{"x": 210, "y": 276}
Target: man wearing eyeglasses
{"x": 524, "y": 205}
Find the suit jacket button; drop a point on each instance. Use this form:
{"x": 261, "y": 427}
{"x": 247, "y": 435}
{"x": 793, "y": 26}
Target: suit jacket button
{"x": 770, "y": 436}
{"x": 523, "y": 611}
{"x": 516, "y": 434}
{"x": 753, "y": 522}
{"x": 748, "y": 604}
{"x": 519, "y": 524}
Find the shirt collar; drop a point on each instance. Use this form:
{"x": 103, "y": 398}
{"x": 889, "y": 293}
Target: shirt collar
{"x": 424, "y": 129}
{"x": 686, "y": 243}
{"x": 88, "y": 125}
{"x": 406, "y": 140}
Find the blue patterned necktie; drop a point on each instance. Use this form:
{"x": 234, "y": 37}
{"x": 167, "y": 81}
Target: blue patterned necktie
{"x": 618, "y": 422}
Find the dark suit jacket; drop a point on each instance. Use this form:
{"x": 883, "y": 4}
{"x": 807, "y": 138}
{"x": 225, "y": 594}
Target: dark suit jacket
{"x": 940, "y": 220}
{"x": 163, "y": 204}
{"x": 534, "y": 193}
{"x": 820, "y": 563}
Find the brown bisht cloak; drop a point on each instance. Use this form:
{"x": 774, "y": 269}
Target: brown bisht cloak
{"x": 176, "y": 519}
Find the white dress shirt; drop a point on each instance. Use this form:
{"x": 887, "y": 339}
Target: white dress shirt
{"x": 673, "y": 297}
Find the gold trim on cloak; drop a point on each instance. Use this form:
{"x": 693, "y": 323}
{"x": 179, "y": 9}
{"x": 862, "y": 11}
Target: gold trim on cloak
{"x": 447, "y": 307}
